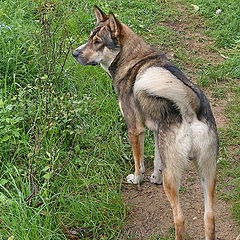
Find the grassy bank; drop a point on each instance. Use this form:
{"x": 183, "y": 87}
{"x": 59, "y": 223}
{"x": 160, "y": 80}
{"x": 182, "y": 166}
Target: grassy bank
{"x": 64, "y": 150}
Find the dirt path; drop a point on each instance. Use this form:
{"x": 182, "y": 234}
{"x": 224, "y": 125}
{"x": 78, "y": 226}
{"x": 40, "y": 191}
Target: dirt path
{"x": 152, "y": 212}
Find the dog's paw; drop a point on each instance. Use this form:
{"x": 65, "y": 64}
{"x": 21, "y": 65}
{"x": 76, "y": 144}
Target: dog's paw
{"x": 156, "y": 179}
{"x": 131, "y": 178}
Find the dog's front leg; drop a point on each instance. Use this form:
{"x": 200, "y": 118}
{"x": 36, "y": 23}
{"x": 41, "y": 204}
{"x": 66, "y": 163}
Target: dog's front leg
{"x": 137, "y": 143}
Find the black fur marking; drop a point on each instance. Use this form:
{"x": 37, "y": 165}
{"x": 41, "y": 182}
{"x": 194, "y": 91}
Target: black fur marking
{"x": 113, "y": 68}
{"x": 158, "y": 108}
{"x": 106, "y": 37}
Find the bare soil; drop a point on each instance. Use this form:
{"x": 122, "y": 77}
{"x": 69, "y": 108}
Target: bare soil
{"x": 152, "y": 213}
{"x": 151, "y": 210}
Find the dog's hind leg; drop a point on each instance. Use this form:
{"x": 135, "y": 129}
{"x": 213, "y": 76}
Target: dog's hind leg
{"x": 171, "y": 188}
{"x": 156, "y": 176}
{"x": 208, "y": 180}
{"x": 174, "y": 147}
{"x": 206, "y": 145}
{"x": 137, "y": 143}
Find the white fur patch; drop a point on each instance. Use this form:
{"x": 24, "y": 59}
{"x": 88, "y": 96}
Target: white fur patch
{"x": 156, "y": 176}
{"x": 156, "y": 179}
{"x": 81, "y": 47}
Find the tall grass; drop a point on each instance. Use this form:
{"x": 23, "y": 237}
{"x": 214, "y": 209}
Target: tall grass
{"x": 63, "y": 160}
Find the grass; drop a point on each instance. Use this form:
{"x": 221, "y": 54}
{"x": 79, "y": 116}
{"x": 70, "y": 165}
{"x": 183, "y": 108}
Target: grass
{"x": 63, "y": 143}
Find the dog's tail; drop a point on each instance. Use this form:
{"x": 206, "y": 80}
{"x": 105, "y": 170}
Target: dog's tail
{"x": 204, "y": 112}
{"x": 161, "y": 83}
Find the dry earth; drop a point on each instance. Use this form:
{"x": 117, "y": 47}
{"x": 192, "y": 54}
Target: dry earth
{"x": 152, "y": 212}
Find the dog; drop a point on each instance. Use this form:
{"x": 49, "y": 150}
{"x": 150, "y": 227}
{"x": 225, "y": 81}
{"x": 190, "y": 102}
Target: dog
{"x": 154, "y": 93}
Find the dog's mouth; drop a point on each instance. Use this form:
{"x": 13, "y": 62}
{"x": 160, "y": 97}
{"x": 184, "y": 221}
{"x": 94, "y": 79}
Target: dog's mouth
{"x": 82, "y": 60}
{"x": 85, "y": 62}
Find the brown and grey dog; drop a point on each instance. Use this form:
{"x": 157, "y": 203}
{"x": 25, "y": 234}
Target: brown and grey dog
{"x": 154, "y": 93}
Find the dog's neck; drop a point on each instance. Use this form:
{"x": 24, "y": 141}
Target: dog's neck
{"x": 133, "y": 48}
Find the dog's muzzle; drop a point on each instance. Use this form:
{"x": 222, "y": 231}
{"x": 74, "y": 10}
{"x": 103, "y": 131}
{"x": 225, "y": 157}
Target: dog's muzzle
{"x": 78, "y": 55}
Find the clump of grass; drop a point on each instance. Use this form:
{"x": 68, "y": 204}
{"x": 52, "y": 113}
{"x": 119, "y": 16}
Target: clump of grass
{"x": 17, "y": 47}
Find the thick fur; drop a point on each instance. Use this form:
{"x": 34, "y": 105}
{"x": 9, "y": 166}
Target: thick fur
{"x": 154, "y": 93}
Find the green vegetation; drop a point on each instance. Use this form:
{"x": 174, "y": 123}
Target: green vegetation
{"x": 64, "y": 149}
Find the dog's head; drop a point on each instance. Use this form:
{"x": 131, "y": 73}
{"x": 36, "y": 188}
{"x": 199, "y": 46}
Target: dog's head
{"x": 104, "y": 42}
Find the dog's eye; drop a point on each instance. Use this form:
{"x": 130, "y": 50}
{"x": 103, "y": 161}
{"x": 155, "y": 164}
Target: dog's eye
{"x": 97, "y": 42}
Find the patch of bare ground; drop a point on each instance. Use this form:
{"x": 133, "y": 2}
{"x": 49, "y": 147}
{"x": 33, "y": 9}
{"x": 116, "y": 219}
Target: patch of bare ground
{"x": 189, "y": 29}
{"x": 152, "y": 213}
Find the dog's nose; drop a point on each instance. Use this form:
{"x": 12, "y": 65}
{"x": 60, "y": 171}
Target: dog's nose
{"x": 75, "y": 53}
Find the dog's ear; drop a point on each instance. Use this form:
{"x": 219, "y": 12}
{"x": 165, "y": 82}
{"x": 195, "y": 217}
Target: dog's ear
{"x": 115, "y": 25}
{"x": 100, "y": 15}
